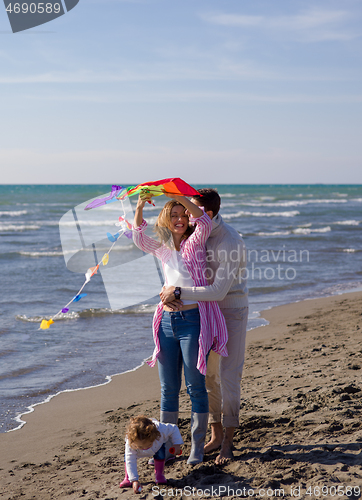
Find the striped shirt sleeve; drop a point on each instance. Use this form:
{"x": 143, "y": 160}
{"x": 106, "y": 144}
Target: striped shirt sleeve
{"x": 144, "y": 242}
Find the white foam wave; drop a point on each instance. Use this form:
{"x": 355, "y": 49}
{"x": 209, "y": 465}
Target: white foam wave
{"x": 348, "y": 222}
{"x": 13, "y": 213}
{"x": 275, "y": 233}
{"x": 305, "y": 230}
{"x": 47, "y": 253}
{"x": 291, "y": 203}
{"x": 38, "y": 319}
{"x": 12, "y": 227}
{"x": 349, "y": 250}
{"x": 241, "y": 213}
{"x": 83, "y": 223}
{"x": 357, "y": 199}
{"x": 71, "y": 315}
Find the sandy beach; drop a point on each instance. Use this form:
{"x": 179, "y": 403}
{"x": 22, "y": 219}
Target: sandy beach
{"x": 300, "y": 433}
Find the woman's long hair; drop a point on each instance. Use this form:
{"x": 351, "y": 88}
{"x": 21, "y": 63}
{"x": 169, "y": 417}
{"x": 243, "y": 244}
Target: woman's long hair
{"x": 163, "y": 224}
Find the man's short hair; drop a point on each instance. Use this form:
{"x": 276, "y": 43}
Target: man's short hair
{"x": 210, "y": 200}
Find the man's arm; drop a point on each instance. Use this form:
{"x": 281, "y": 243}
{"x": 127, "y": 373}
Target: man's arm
{"x": 217, "y": 291}
{"x": 225, "y": 275}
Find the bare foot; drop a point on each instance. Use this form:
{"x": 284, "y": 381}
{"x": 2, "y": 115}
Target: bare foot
{"x": 212, "y": 445}
{"x": 217, "y": 435}
{"x": 225, "y": 454}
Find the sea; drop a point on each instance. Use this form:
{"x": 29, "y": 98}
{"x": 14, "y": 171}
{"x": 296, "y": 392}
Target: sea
{"x": 303, "y": 242}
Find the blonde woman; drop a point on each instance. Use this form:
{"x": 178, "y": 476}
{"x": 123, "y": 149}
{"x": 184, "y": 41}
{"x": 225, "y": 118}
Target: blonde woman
{"x": 183, "y": 338}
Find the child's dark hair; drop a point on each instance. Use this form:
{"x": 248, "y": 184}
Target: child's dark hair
{"x": 210, "y": 200}
{"x": 141, "y": 428}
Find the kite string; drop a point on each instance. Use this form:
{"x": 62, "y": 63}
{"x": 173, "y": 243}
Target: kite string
{"x": 88, "y": 278}
{"x": 86, "y": 281}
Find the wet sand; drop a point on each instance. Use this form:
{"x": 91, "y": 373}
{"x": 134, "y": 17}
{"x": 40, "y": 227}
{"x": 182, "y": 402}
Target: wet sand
{"x": 300, "y": 433}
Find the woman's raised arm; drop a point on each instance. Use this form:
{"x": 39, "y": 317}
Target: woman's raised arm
{"x": 138, "y": 215}
{"x": 193, "y": 209}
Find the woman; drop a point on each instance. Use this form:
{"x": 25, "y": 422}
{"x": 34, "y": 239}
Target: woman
{"x": 185, "y": 337}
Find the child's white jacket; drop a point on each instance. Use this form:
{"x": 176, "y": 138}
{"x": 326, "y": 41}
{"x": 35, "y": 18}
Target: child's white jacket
{"x": 167, "y": 431}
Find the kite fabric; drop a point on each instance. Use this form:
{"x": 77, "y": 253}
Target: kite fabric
{"x": 174, "y": 185}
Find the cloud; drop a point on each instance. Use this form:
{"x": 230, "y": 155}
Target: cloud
{"x": 311, "y": 25}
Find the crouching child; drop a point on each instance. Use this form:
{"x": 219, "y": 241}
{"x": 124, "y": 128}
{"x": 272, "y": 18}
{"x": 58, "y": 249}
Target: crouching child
{"x": 146, "y": 438}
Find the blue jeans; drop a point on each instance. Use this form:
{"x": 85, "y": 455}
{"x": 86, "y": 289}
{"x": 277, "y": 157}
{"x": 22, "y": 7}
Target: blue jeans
{"x": 161, "y": 453}
{"x": 179, "y": 341}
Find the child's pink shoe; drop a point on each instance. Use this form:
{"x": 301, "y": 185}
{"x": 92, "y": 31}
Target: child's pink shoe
{"x": 126, "y": 483}
{"x": 159, "y": 477}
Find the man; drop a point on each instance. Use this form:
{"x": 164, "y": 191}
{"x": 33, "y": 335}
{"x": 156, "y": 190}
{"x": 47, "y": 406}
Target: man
{"x": 226, "y": 261}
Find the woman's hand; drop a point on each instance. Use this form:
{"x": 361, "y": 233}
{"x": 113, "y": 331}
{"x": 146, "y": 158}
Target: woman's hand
{"x": 145, "y": 196}
{"x": 174, "y": 196}
{"x": 138, "y": 215}
{"x": 167, "y": 294}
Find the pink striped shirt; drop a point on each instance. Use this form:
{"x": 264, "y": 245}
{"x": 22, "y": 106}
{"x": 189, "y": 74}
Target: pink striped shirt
{"x": 213, "y": 332}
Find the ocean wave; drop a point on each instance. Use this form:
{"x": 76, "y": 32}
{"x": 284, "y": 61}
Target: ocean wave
{"x": 357, "y": 199}
{"x": 292, "y": 213}
{"x": 291, "y": 203}
{"x": 348, "y": 222}
{"x": 61, "y": 253}
{"x": 46, "y": 253}
{"x": 38, "y": 319}
{"x": 84, "y": 223}
{"x": 20, "y": 227}
{"x": 65, "y": 204}
{"x": 306, "y": 230}
{"x": 91, "y": 312}
{"x": 13, "y": 213}
{"x": 275, "y": 233}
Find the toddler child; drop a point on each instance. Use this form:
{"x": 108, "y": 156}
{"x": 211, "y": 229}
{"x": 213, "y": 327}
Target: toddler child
{"x": 145, "y": 438}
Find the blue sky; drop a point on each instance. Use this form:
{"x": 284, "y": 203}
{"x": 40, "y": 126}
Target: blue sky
{"x": 227, "y": 91}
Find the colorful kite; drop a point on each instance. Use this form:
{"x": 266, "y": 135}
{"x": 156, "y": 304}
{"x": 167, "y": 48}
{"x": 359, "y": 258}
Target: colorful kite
{"x": 174, "y": 186}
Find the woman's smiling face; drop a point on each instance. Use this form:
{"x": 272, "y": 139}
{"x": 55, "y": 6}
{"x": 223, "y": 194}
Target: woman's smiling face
{"x": 179, "y": 220}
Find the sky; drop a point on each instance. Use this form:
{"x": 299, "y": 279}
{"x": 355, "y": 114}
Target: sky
{"x": 212, "y": 91}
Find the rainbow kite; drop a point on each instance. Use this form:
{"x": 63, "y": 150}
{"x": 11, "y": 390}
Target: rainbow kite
{"x": 174, "y": 186}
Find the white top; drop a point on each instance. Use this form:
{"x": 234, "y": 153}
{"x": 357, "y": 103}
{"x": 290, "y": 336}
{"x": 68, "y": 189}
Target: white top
{"x": 168, "y": 432}
{"x": 177, "y": 274}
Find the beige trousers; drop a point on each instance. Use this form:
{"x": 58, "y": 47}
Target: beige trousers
{"x": 223, "y": 375}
